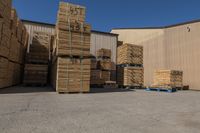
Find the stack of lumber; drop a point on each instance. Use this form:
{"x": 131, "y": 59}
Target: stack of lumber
{"x": 171, "y": 78}
{"x": 130, "y": 54}
{"x": 13, "y": 42}
{"x": 104, "y": 53}
{"x": 130, "y": 76}
{"x": 71, "y": 75}
{"x": 72, "y": 34}
{"x": 37, "y": 60}
{"x": 104, "y": 69}
{"x": 99, "y": 77}
{"x": 35, "y": 74}
{"x": 130, "y": 71}
{"x": 71, "y": 50}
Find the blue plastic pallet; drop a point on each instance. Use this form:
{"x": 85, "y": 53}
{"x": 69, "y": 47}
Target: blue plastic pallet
{"x": 161, "y": 90}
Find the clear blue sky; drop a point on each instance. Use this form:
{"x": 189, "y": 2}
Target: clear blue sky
{"x": 104, "y": 15}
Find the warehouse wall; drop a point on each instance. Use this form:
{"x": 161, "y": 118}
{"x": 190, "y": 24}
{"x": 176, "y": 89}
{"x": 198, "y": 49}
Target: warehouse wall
{"x": 176, "y": 47}
{"x": 183, "y": 52}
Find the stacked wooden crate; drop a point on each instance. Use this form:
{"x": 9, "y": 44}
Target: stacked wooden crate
{"x": 130, "y": 71}
{"x": 71, "y": 66}
{"x": 12, "y": 45}
{"x": 37, "y": 60}
{"x": 168, "y": 78}
{"x": 102, "y": 68}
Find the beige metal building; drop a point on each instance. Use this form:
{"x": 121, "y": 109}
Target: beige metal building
{"x": 98, "y": 39}
{"x": 172, "y": 47}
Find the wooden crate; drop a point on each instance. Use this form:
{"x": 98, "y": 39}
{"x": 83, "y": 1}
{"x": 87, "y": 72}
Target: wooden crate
{"x": 72, "y": 44}
{"x": 70, "y": 11}
{"x": 172, "y": 78}
{"x": 35, "y": 74}
{"x": 71, "y": 75}
{"x": 104, "y": 53}
{"x": 106, "y": 64}
{"x": 5, "y": 11}
{"x": 4, "y": 40}
{"x": 130, "y": 54}
{"x": 99, "y": 77}
{"x": 130, "y": 76}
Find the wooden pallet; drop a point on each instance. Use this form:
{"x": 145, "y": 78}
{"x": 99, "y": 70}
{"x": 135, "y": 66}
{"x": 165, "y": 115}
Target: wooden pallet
{"x": 130, "y": 54}
{"x": 160, "y": 89}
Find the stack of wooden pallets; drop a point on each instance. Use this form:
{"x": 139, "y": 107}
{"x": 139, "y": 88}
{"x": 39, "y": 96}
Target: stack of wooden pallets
{"x": 168, "y": 78}
{"x": 13, "y": 43}
{"x": 71, "y": 50}
{"x": 102, "y": 68}
{"x": 130, "y": 72}
{"x": 37, "y": 60}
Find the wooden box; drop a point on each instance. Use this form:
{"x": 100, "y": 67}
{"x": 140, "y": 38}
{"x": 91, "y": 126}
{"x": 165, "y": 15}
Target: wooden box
{"x": 106, "y": 64}
{"x": 130, "y": 76}
{"x": 172, "y": 78}
{"x": 130, "y": 54}
{"x": 71, "y": 75}
{"x": 104, "y": 53}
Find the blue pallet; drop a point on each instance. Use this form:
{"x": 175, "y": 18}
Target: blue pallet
{"x": 161, "y": 90}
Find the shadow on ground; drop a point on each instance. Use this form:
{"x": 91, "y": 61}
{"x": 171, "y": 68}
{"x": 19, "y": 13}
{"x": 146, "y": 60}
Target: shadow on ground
{"x": 25, "y": 89}
{"x": 109, "y": 90}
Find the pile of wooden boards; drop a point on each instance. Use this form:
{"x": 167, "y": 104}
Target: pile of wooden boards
{"x": 130, "y": 71}
{"x": 130, "y": 54}
{"x": 13, "y": 43}
{"x": 71, "y": 50}
{"x": 37, "y": 60}
{"x": 168, "y": 78}
{"x": 102, "y": 68}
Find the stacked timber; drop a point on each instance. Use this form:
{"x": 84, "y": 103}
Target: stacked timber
{"x": 168, "y": 78}
{"x": 12, "y": 45}
{"x": 71, "y": 50}
{"x": 130, "y": 72}
{"x": 130, "y": 54}
{"x": 102, "y": 68}
{"x": 37, "y": 60}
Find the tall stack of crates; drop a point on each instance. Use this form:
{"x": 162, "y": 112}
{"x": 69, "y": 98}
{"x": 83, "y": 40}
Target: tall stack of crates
{"x": 13, "y": 43}
{"x": 130, "y": 72}
{"x": 37, "y": 60}
{"x": 71, "y": 51}
{"x": 102, "y": 68}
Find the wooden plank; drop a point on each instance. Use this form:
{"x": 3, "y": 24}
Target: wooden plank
{"x": 104, "y": 53}
{"x": 130, "y": 76}
{"x": 129, "y": 54}
{"x": 35, "y": 74}
{"x": 71, "y": 75}
{"x": 106, "y": 64}
{"x": 172, "y": 78}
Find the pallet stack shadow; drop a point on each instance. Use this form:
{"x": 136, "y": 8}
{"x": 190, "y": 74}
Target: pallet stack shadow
{"x": 37, "y": 60}
{"x": 130, "y": 72}
{"x": 71, "y": 50}
{"x": 102, "y": 68}
{"x": 13, "y": 43}
{"x": 168, "y": 79}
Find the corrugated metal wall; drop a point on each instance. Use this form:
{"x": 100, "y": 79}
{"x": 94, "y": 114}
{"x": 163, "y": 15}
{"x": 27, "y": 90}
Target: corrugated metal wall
{"x": 171, "y": 48}
{"x": 98, "y": 39}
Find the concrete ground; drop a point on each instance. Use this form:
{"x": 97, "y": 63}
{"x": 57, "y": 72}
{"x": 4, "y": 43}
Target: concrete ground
{"x": 40, "y": 110}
